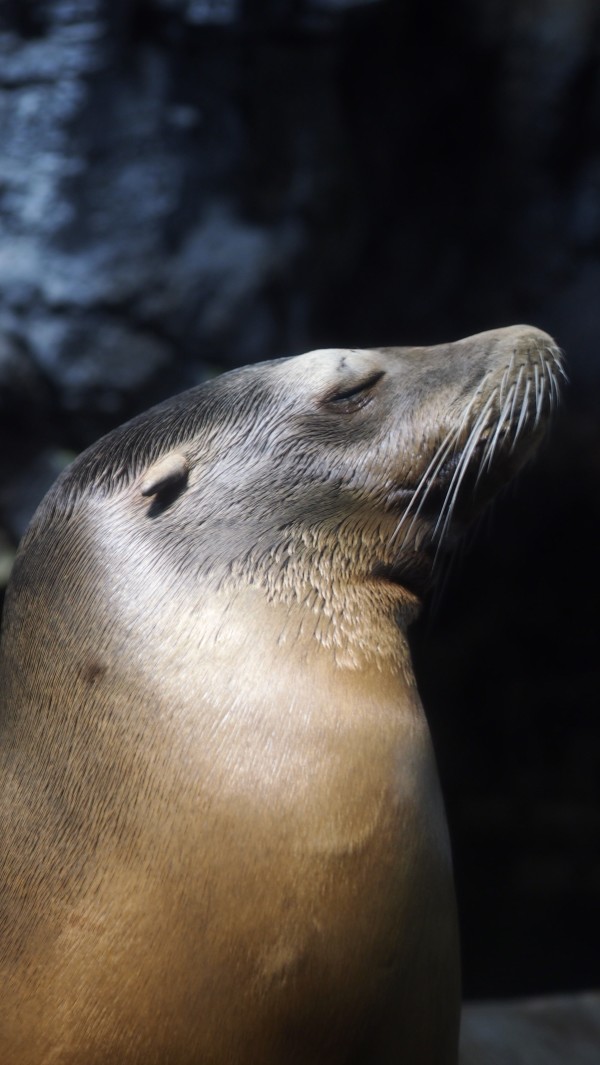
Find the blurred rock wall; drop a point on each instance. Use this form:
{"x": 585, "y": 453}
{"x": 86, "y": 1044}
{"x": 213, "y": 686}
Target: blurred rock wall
{"x": 188, "y": 185}
{"x": 192, "y": 184}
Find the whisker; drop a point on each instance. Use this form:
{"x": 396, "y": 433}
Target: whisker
{"x": 538, "y": 395}
{"x": 546, "y": 383}
{"x": 441, "y": 453}
{"x": 427, "y": 480}
{"x": 523, "y": 413}
{"x": 451, "y": 440}
{"x": 554, "y": 394}
{"x": 488, "y": 455}
{"x": 447, "y": 510}
{"x": 558, "y": 364}
{"x": 517, "y": 385}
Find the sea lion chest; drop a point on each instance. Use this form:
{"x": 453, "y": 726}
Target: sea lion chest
{"x": 305, "y": 828}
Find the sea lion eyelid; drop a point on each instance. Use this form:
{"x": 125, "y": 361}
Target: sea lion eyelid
{"x": 343, "y": 395}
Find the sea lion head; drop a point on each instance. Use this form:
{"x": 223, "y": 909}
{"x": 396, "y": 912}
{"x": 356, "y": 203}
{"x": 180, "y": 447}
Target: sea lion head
{"x": 329, "y": 480}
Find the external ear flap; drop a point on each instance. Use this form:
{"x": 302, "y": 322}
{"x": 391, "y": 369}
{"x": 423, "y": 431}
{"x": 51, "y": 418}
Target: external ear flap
{"x": 167, "y": 477}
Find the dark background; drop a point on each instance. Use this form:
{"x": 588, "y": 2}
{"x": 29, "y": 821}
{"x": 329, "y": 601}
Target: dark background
{"x": 189, "y": 185}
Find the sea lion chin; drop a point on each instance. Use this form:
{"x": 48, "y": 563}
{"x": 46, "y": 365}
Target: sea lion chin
{"x": 225, "y": 838}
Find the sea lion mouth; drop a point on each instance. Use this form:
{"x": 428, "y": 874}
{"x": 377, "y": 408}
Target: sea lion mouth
{"x": 474, "y": 471}
{"x": 457, "y": 487}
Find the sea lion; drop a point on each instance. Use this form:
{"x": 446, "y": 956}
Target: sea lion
{"x": 223, "y": 836}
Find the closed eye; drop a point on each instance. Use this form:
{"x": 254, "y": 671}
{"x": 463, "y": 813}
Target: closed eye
{"x": 355, "y": 396}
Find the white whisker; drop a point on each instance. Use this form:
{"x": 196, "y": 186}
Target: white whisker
{"x": 538, "y": 394}
{"x": 457, "y": 478}
{"x": 523, "y": 413}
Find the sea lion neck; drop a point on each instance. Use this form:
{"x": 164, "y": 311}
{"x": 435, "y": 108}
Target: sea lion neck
{"x": 280, "y": 597}
{"x": 359, "y": 621}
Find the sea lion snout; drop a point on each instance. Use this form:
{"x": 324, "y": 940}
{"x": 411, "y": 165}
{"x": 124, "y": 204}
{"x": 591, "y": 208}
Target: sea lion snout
{"x": 506, "y": 351}
{"x": 479, "y": 408}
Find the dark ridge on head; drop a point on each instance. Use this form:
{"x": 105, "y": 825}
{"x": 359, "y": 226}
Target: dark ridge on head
{"x": 118, "y": 458}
